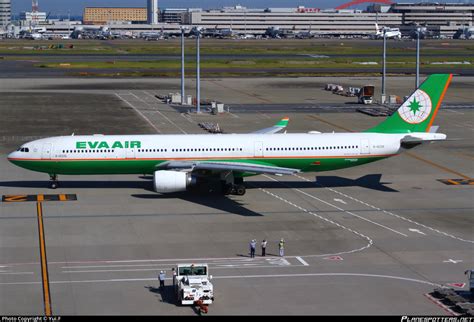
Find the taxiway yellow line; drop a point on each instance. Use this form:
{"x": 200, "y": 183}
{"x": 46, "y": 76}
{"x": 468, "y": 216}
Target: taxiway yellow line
{"x": 44, "y": 262}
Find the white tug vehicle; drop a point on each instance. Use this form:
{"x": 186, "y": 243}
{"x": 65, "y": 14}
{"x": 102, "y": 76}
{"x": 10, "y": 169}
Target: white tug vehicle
{"x": 193, "y": 284}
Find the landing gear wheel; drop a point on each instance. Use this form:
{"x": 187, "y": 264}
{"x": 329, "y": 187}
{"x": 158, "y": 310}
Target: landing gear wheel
{"x": 227, "y": 189}
{"x": 240, "y": 190}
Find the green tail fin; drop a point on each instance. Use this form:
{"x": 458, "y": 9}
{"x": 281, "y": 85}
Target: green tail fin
{"x": 418, "y": 112}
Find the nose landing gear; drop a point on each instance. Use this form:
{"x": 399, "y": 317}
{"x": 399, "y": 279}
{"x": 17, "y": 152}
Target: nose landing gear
{"x": 53, "y": 181}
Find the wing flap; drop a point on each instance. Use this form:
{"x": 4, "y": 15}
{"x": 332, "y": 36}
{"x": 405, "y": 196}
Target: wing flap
{"x": 227, "y": 166}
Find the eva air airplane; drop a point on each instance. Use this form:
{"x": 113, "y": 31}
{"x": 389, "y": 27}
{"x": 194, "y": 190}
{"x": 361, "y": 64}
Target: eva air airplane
{"x": 178, "y": 162}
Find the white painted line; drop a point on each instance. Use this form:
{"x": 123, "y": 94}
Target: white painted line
{"x": 221, "y": 266}
{"x": 417, "y": 231}
{"x": 188, "y": 118}
{"x": 173, "y": 260}
{"x": 16, "y": 273}
{"x": 139, "y": 112}
{"x": 370, "y": 241}
{"x": 454, "y": 261}
{"x": 341, "y": 201}
{"x": 302, "y": 261}
{"x": 388, "y": 212}
{"x": 154, "y": 279}
{"x": 456, "y": 112}
{"x": 111, "y": 266}
{"x": 164, "y": 116}
{"x": 114, "y": 270}
{"x": 340, "y": 209}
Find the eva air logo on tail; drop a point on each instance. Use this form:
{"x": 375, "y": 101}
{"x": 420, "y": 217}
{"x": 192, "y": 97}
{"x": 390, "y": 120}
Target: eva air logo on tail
{"x": 417, "y": 108}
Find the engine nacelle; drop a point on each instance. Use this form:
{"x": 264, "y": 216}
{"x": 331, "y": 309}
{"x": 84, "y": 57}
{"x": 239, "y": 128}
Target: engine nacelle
{"x": 165, "y": 181}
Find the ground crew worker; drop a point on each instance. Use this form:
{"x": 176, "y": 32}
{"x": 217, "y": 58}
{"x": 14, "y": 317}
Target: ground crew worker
{"x": 264, "y": 247}
{"x": 174, "y": 276}
{"x": 253, "y": 244}
{"x": 281, "y": 247}
{"x": 162, "y": 277}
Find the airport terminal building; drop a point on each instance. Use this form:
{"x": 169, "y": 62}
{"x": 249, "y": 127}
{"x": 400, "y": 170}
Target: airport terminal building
{"x": 5, "y": 13}
{"x": 319, "y": 22}
{"x": 104, "y": 15}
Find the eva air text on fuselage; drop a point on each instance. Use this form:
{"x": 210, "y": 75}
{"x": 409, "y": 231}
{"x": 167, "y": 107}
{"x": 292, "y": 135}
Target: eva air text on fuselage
{"x": 108, "y": 145}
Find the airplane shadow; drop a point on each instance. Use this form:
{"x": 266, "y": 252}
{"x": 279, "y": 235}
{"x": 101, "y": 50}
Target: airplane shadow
{"x": 370, "y": 181}
{"x": 211, "y": 200}
{"x": 167, "y": 293}
{"x": 78, "y": 184}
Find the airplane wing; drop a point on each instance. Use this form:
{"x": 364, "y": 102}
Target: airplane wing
{"x": 226, "y": 166}
{"x": 283, "y": 123}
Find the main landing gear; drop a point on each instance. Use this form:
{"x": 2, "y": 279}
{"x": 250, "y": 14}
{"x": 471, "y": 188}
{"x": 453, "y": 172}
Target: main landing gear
{"x": 53, "y": 181}
{"x": 236, "y": 188}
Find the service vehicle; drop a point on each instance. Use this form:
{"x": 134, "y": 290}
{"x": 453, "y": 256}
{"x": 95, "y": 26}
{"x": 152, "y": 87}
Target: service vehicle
{"x": 193, "y": 284}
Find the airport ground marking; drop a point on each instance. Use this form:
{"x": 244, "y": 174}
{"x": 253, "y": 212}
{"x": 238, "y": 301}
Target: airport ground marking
{"x": 252, "y": 95}
{"x": 338, "y": 208}
{"x": 433, "y": 164}
{"x": 453, "y": 261}
{"x": 44, "y": 261}
{"x": 38, "y": 198}
{"x": 119, "y": 280}
{"x": 302, "y": 261}
{"x": 387, "y": 212}
{"x": 417, "y": 231}
{"x": 334, "y": 258}
{"x": 441, "y": 305}
{"x": 164, "y": 116}
{"x": 138, "y": 112}
{"x": 457, "y": 182}
{"x": 159, "y": 268}
{"x": 369, "y": 240}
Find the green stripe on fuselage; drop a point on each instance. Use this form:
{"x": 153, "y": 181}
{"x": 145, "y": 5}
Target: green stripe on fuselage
{"x": 138, "y": 166}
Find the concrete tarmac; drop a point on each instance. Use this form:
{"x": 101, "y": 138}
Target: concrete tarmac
{"x": 374, "y": 239}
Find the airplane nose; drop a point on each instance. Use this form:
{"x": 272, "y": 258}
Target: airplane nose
{"x": 11, "y": 156}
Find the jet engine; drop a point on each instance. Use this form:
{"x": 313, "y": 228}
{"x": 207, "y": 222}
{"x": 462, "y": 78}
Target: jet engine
{"x": 165, "y": 181}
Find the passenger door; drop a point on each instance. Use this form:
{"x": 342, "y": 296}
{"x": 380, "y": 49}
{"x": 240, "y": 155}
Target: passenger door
{"x": 130, "y": 153}
{"x": 364, "y": 146}
{"x": 258, "y": 149}
{"x": 46, "y": 151}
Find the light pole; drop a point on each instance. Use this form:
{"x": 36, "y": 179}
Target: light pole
{"x": 384, "y": 65}
{"x": 198, "y": 75}
{"x": 417, "y": 57}
{"x": 182, "y": 65}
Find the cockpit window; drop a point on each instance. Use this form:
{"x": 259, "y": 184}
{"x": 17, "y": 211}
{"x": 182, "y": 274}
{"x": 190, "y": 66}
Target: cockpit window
{"x": 24, "y": 150}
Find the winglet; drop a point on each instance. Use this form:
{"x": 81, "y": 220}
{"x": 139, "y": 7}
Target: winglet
{"x": 283, "y": 122}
